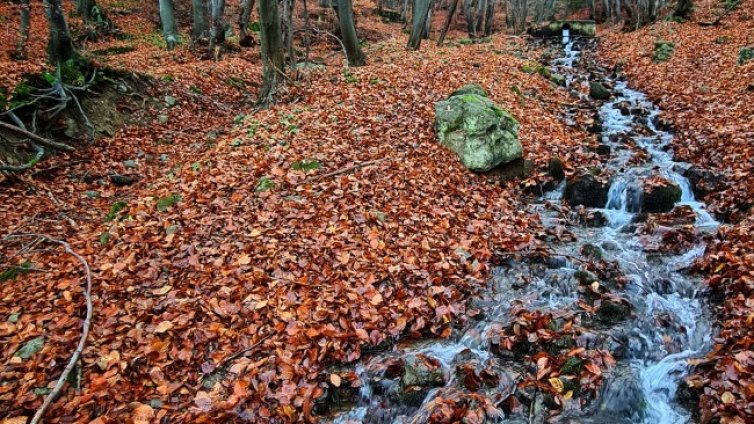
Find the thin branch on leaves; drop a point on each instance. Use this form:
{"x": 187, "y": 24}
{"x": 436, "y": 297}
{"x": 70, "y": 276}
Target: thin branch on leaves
{"x": 244, "y": 351}
{"x": 342, "y": 171}
{"x": 85, "y": 327}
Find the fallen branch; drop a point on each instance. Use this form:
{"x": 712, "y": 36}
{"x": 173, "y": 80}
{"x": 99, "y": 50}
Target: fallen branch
{"x": 342, "y": 171}
{"x": 84, "y": 331}
{"x": 242, "y": 352}
{"x": 40, "y": 140}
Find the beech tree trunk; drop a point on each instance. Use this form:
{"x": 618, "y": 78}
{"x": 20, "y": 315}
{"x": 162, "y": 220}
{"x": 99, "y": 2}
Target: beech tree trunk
{"x": 217, "y": 29}
{"x": 348, "y": 33}
{"x": 199, "y": 27}
{"x": 421, "y": 12}
{"x": 272, "y": 50}
{"x": 245, "y": 39}
{"x": 59, "y": 44}
{"x": 286, "y": 19}
{"x": 167, "y": 16}
{"x": 23, "y": 31}
{"x": 448, "y": 20}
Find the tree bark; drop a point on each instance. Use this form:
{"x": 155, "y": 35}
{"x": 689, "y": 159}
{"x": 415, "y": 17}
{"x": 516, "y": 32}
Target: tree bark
{"x": 167, "y": 16}
{"x": 272, "y": 50}
{"x": 199, "y": 27}
{"x": 217, "y": 29}
{"x": 683, "y": 8}
{"x": 421, "y": 12}
{"x": 59, "y": 45}
{"x": 286, "y": 20}
{"x": 245, "y": 39}
{"x": 23, "y": 31}
{"x": 448, "y": 20}
{"x": 348, "y": 33}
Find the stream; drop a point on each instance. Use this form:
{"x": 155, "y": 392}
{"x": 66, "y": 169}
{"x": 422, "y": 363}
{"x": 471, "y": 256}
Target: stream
{"x": 648, "y": 314}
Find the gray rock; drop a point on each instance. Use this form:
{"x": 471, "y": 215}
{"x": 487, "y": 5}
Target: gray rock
{"x": 481, "y": 133}
{"x": 558, "y": 79}
{"x": 422, "y": 370}
{"x": 170, "y": 101}
{"x": 129, "y": 163}
{"x": 163, "y": 119}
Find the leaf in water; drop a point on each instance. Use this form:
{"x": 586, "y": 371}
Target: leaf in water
{"x": 30, "y": 348}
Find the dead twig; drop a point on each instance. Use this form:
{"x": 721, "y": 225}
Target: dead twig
{"x": 342, "y": 171}
{"x": 85, "y": 327}
{"x": 243, "y": 351}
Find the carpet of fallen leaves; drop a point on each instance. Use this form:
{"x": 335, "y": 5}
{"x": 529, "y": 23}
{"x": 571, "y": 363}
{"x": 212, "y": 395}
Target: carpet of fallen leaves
{"x": 708, "y": 97}
{"x": 327, "y": 224}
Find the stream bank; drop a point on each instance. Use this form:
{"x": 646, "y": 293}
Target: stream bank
{"x": 599, "y": 328}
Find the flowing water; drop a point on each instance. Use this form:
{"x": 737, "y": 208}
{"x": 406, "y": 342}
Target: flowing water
{"x": 669, "y": 321}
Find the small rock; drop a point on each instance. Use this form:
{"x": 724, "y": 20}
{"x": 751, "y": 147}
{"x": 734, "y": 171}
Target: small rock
{"x": 556, "y": 169}
{"x": 603, "y": 150}
{"x": 598, "y": 91}
{"x": 613, "y": 311}
{"x": 129, "y": 163}
{"x": 163, "y": 119}
{"x": 517, "y": 169}
{"x": 585, "y": 277}
{"x": 122, "y": 180}
{"x": 586, "y": 189}
{"x": 422, "y": 370}
{"x": 591, "y": 251}
{"x": 660, "y": 199}
{"x": 558, "y": 79}
{"x": 170, "y": 101}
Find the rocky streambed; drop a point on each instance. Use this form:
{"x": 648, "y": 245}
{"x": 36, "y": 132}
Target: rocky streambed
{"x": 597, "y": 329}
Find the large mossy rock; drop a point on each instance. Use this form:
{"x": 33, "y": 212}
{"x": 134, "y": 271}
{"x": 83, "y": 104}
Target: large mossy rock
{"x": 481, "y": 133}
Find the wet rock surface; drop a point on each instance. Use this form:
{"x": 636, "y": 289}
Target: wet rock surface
{"x": 586, "y": 189}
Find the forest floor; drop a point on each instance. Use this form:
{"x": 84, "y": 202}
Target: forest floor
{"x": 318, "y": 228}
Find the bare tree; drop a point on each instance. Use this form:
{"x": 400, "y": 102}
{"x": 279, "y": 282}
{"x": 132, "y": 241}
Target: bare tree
{"x": 59, "y": 46}
{"x": 421, "y": 14}
{"x": 272, "y": 50}
{"x": 348, "y": 33}
{"x": 448, "y": 19}
{"x": 167, "y": 16}
{"x": 23, "y": 31}
{"x": 217, "y": 29}
{"x": 199, "y": 27}
{"x": 245, "y": 39}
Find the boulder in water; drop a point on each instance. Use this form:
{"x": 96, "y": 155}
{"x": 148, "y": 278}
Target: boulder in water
{"x": 702, "y": 180}
{"x": 422, "y": 370}
{"x": 586, "y": 189}
{"x": 481, "y": 133}
{"x": 558, "y": 79}
{"x": 598, "y": 91}
{"x": 661, "y": 198}
{"x": 613, "y": 311}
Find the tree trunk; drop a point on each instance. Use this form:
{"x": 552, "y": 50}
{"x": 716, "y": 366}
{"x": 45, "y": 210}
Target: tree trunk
{"x": 286, "y": 19}
{"x": 245, "y": 39}
{"x": 217, "y": 27}
{"x": 59, "y": 45}
{"x": 348, "y": 33}
{"x": 199, "y": 27}
{"x": 448, "y": 19}
{"x": 684, "y": 8}
{"x": 272, "y": 50}
{"x": 23, "y": 31}
{"x": 167, "y": 16}
{"x": 428, "y": 22}
{"x": 421, "y": 12}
